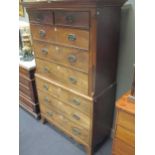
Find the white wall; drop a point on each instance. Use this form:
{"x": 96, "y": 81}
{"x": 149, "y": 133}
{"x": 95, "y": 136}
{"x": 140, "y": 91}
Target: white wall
{"x": 126, "y": 57}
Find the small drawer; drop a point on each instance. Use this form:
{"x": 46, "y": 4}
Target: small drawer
{"x": 63, "y": 36}
{"x": 73, "y": 19}
{"x": 65, "y": 76}
{"x": 70, "y": 57}
{"x": 126, "y": 120}
{"x": 76, "y": 101}
{"x": 69, "y": 112}
{"x": 125, "y": 135}
{"x": 120, "y": 148}
{"x": 41, "y": 16}
{"x": 43, "y": 33}
{"x": 65, "y": 125}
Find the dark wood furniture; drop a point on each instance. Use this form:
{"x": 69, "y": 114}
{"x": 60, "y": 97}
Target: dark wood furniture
{"x": 76, "y": 45}
{"x": 124, "y": 139}
{"x": 28, "y": 98}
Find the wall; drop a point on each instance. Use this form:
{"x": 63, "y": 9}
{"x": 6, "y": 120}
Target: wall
{"x": 25, "y": 18}
{"x": 126, "y": 58}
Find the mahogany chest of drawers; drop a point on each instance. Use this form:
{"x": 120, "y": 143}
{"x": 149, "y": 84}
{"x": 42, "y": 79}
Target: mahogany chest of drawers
{"x": 124, "y": 139}
{"x": 76, "y": 44}
{"x": 27, "y": 90}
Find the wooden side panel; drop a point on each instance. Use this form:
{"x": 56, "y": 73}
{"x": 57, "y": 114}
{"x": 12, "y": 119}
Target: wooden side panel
{"x": 103, "y": 116}
{"x": 108, "y": 25}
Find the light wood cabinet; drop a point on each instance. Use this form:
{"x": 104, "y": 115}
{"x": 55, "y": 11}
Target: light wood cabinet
{"x": 124, "y": 139}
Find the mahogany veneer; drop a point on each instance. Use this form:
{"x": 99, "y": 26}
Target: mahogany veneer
{"x": 76, "y": 45}
{"x": 28, "y": 97}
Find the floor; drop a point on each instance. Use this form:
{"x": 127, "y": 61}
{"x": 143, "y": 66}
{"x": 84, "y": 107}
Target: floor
{"x": 39, "y": 139}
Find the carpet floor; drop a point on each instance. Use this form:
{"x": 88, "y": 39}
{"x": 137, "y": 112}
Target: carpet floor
{"x": 38, "y": 139}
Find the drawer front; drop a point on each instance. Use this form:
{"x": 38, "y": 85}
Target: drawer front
{"x": 25, "y": 81}
{"x": 73, "y": 37}
{"x": 41, "y": 16}
{"x": 64, "y": 124}
{"x": 68, "y": 77}
{"x": 25, "y": 90}
{"x": 67, "y": 97}
{"x": 70, "y": 57}
{"x": 27, "y": 73}
{"x": 26, "y": 101}
{"x": 62, "y": 36}
{"x": 120, "y": 148}
{"x": 42, "y": 32}
{"x": 126, "y": 120}
{"x": 125, "y": 135}
{"x": 73, "y": 19}
{"x": 69, "y": 112}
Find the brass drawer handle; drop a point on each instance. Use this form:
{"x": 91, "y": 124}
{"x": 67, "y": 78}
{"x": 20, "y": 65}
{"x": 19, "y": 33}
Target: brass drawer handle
{"x": 39, "y": 17}
{"x": 44, "y": 51}
{"x": 46, "y": 99}
{"x": 72, "y": 58}
{"x": 46, "y": 87}
{"x": 49, "y": 113}
{"x": 46, "y": 70}
{"x": 76, "y": 101}
{"x": 76, "y": 117}
{"x": 72, "y": 80}
{"x": 76, "y": 131}
{"x": 70, "y": 19}
{"x": 71, "y": 37}
{"x": 42, "y": 33}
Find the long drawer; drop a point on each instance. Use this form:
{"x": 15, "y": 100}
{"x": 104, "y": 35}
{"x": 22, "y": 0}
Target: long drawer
{"x": 63, "y": 123}
{"x": 64, "y": 36}
{"x": 120, "y": 148}
{"x": 65, "y": 76}
{"x": 80, "y": 103}
{"x": 24, "y": 80}
{"x": 126, "y": 120}
{"x": 69, "y": 112}
{"x": 29, "y": 103}
{"x": 26, "y": 90}
{"x": 125, "y": 135}
{"x": 70, "y": 57}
